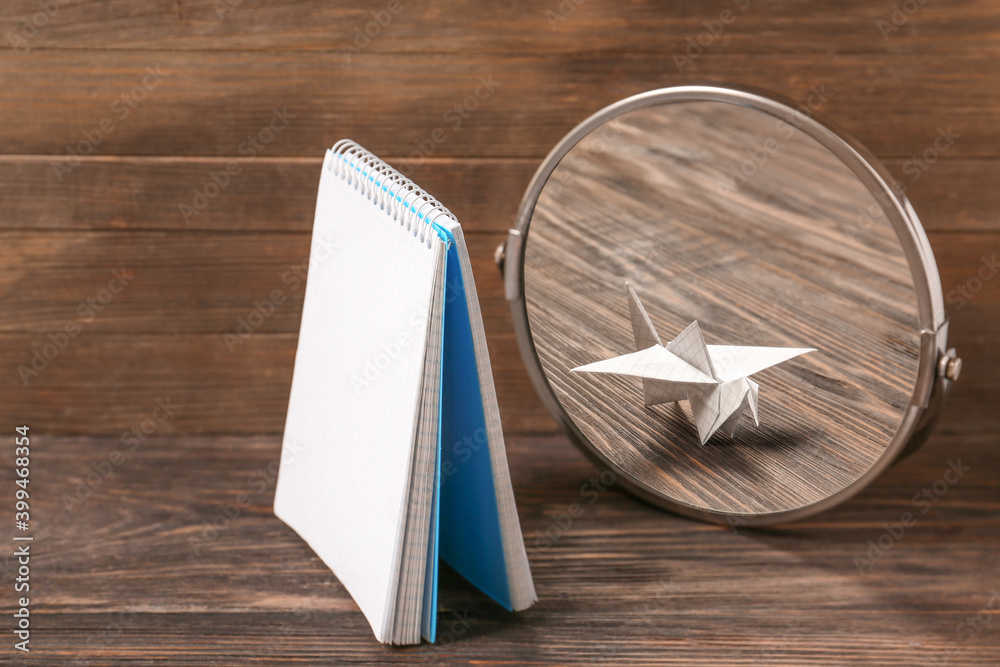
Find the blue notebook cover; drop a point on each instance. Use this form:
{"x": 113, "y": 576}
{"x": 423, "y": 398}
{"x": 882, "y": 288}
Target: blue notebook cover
{"x": 470, "y": 537}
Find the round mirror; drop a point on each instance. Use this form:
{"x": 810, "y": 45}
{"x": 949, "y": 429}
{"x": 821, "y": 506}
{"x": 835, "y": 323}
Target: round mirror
{"x": 766, "y": 227}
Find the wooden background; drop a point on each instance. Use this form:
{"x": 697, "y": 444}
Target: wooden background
{"x": 118, "y": 575}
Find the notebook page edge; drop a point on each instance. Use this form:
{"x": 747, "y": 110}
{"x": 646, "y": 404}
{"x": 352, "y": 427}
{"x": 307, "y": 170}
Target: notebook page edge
{"x": 520, "y": 581}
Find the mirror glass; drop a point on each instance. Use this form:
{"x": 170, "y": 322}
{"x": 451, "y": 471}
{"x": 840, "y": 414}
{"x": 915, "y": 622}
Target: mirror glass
{"x": 726, "y": 215}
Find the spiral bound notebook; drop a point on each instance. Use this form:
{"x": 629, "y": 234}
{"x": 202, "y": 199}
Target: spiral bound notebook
{"x": 393, "y": 455}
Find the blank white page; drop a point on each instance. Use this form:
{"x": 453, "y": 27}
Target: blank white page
{"x": 351, "y": 424}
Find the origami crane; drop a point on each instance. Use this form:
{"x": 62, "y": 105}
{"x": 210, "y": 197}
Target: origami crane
{"x": 713, "y": 378}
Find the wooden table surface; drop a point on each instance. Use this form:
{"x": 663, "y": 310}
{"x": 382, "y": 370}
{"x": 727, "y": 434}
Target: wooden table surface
{"x": 162, "y": 562}
{"x": 115, "y": 116}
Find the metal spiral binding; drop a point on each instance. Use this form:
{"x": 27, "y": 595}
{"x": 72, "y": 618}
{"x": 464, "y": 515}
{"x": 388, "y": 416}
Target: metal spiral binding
{"x": 407, "y": 203}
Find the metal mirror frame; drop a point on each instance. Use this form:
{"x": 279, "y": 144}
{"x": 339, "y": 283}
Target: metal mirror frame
{"x": 938, "y": 366}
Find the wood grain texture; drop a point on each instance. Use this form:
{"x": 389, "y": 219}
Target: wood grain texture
{"x": 143, "y": 569}
{"x": 772, "y": 258}
{"x": 173, "y": 281}
{"x": 145, "y": 193}
{"x": 549, "y": 27}
{"x": 119, "y": 580}
{"x": 166, "y": 334}
{"x": 392, "y": 104}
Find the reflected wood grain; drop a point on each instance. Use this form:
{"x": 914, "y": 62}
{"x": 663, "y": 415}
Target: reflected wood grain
{"x": 724, "y": 215}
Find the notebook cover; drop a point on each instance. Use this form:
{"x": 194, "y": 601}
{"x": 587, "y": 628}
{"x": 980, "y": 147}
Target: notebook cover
{"x": 470, "y": 539}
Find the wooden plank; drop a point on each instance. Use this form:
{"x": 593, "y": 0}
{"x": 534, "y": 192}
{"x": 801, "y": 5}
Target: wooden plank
{"x": 170, "y": 282}
{"x": 204, "y": 281}
{"x": 552, "y": 27}
{"x": 108, "y": 383}
{"x": 205, "y": 104}
{"x": 279, "y": 194}
{"x": 197, "y": 285}
{"x": 146, "y": 282}
{"x": 622, "y": 582}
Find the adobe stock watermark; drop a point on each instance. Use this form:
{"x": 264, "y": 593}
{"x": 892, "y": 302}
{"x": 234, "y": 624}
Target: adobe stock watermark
{"x": 462, "y": 451}
{"x": 915, "y": 168}
{"x": 641, "y": 615}
{"x": 788, "y": 301}
{"x": 771, "y": 651}
{"x": 453, "y": 118}
{"x": 273, "y": 648}
{"x": 922, "y": 503}
{"x": 970, "y": 627}
{"x": 454, "y": 626}
{"x": 293, "y": 278}
{"x": 110, "y": 634}
{"x": 590, "y": 491}
{"x": 87, "y": 310}
{"x": 32, "y": 24}
{"x": 130, "y": 440}
{"x": 973, "y": 625}
{"x": 9, "y": 564}
{"x": 223, "y": 7}
{"x": 249, "y": 149}
{"x": 964, "y": 292}
{"x": 391, "y": 348}
{"x": 579, "y": 161}
{"x": 257, "y": 483}
{"x": 918, "y": 165}
{"x": 713, "y": 30}
{"x": 370, "y": 30}
{"x": 563, "y": 11}
{"x": 388, "y": 351}
{"x": 121, "y": 108}
{"x": 898, "y": 17}
{"x": 759, "y": 154}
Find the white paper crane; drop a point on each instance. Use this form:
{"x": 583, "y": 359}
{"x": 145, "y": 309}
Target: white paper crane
{"x": 713, "y": 378}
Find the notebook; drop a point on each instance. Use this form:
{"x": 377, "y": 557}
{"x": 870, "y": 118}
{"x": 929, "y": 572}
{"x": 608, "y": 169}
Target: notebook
{"x": 393, "y": 455}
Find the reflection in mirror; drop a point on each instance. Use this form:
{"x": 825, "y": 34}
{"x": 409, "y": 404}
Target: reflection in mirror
{"x": 726, "y": 215}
